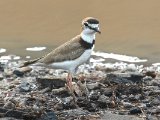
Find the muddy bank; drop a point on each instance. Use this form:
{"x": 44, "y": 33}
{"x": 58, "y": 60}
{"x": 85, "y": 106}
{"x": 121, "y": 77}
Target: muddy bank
{"x": 103, "y": 91}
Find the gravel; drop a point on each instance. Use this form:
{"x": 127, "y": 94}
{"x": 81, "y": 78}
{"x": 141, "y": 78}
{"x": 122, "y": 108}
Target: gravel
{"x": 114, "y": 93}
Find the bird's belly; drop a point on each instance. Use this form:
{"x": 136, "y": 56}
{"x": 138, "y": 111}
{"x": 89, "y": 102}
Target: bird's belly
{"x": 71, "y": 65}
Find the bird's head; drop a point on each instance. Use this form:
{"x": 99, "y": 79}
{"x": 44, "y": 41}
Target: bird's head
{"x": 90, "y": 25}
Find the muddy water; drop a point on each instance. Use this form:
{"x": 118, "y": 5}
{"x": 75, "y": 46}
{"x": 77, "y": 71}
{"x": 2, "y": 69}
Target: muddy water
{"x": 129, "y": 27}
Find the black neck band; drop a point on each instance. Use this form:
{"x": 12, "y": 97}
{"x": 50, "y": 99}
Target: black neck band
{"x": 85, "y": 44}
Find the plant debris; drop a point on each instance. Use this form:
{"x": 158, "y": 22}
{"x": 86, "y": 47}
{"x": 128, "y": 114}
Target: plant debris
{"x": 40, "y": 93}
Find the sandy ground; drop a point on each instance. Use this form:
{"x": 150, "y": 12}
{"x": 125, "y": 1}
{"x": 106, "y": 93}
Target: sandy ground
{"x": 128, "y": 27}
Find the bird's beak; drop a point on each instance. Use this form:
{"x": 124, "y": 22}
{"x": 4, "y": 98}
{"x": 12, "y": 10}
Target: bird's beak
{"x": 97, "y": 30}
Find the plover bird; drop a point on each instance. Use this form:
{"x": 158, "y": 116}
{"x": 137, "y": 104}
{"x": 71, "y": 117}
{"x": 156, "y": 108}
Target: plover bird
{"x": 73, "y": 53}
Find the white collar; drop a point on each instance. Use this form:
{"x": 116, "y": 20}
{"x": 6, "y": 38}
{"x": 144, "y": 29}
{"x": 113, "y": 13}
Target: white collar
{"x": 87, "y": 37}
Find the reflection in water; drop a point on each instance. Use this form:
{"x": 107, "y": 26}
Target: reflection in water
{"x": 2, "y": 50}
{"x": 36, "y": 49}
{"x": 124, "y": 58}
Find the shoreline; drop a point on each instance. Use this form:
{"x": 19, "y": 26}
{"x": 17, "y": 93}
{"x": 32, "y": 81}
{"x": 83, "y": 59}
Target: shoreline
{"x": 107, "y": 57}
{"x": 118, "y": 89}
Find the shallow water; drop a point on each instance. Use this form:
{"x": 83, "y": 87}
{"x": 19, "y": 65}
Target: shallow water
{"x": 129, "y": 27}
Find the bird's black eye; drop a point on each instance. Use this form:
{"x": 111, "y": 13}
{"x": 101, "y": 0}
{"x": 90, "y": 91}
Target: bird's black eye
{"x": 85, "y": 24}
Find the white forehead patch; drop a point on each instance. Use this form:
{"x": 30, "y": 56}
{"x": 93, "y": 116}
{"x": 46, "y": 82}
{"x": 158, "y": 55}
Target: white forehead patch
{"x": 94, "y": 25}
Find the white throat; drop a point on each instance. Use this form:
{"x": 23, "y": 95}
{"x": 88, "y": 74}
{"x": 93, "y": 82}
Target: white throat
{"x": 88, "y": 37}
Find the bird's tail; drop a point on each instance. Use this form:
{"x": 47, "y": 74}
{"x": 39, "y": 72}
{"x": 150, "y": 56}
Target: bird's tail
{"x": 26, "y": 63}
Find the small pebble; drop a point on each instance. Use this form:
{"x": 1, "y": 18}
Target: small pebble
{"x": 1, "y": 76}
{"x": 135, "y": 110}
{"x": 18, "y": 73}
{"x": 25, "y": 87}
{"x": 127, "y": 105}
{"x": 155, "y": 101}
{"x": 25, "y": 69}
{"x": 9, "y": 105}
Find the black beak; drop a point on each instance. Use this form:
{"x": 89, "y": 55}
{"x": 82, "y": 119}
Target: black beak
{"x": 98, "y": 31}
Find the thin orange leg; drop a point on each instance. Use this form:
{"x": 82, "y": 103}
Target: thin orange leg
{"x": 69, "y": 81}
{"x": 70, "y": 86}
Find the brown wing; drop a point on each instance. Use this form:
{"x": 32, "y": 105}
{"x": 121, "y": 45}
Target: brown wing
{"x": 70, "y": 50}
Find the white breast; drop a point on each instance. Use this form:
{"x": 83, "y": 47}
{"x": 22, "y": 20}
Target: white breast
{"x": 72, "y": 64}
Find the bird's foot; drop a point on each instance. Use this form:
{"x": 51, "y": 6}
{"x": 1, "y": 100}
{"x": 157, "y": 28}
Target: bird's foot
{"x": 70, "y": 88}
{"x": 83, "y": 88}
{"x": 71, "y": 91}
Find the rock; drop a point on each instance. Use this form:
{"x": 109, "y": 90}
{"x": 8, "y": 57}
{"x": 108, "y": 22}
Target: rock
{"x": 155, "y": 82}
{"x": 132, "y": 98}
{"x": 136, "y": 77}
{"x": 51, "y": 82}
{"x": 129, "y": 89}
{"x": 9, "y": 118}
{"x": 14, "y": 113}
{"x": 128, "y": 105}
{"x": 22, "y": 102}
{"x": 48, "y": 116}
{"x": 94, "y": 95}
{"x": 123, "y": 112}
{"x": 86, "y": 104}
{"x": 155, "y": 101}
{"x": 154, "y": 111}
{"x": 123, "y": 96}
{"x": 59, "y": 91}
{"x": 1, "y": 68}
{"x": 154, "y": 92}
{"x": 151, "y": 73}
{"x": 123, "y": 78}
{"x": 9, "y": 105}
{"x": 1, "y": 76}
{"x": 25, "y": 87}
{"x": 103, "y": 98}
{"x": 135, "y": 110}
{"x": 152, "y": 117}
{"x": 110, "y": 116}
{"x": 47, "y": 89}
{"x": 116, "y": 78}
{"x": 68, "y": 103}
{"x": 147, "y": 78}
{"x": 8, "y": 73}
{"x": 36, "y": 108}
{"x": 138, "y": 97}
{"x": 3, "y": 110}
{"x": 104, "y": 101}
{"x": 92, "y": 107}
{"x": 18, "y": 73}
{"x": 10, "y": 79}
{"x": 74, "y": 114}
{"x": 108, "y": 91}
{"x": 25, "y": 69}
{"x": 58, "y": 106}
{"x": 142, "y": 105}
{"x": 92, "y": 86}
{"x": 149, "y": 105}
{"x": 11, "y": 86}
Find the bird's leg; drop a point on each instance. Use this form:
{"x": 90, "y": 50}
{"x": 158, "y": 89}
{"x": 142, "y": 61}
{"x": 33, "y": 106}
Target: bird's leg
{"x": 69, "y": 82}
{"x": 70, "y": 86}
{"x": 82, "y": 84}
